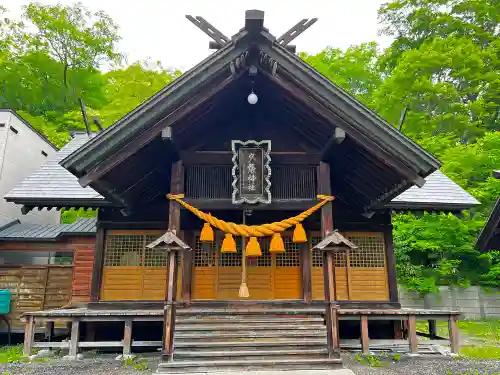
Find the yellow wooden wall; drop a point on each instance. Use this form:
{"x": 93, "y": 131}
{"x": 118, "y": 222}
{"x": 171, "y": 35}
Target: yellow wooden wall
{"x": 360, "y": 275}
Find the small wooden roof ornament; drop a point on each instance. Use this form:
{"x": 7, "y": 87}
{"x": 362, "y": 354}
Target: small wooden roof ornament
{"x": 168, "y": 241}
{"x": 334, "y": 241}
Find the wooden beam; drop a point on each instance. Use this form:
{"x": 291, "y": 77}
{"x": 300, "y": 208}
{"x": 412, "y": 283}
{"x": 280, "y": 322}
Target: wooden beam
{"x": 225, "y": 157}
{"x": 208, "y": 29}
{"x": 337, "y": 138}
{"x": 391, "y": 265}
{"x": 97, "y": 267}
{"x": 365, "y": 337}
{"x": 147, "y": 136}
{"x": 453, "y": 332}
{"x": 296, "y": 30}
{"x": 325, "y": 188}
{"x": 412, "y": 334}
{"x": 305, "y": 253}
{"x": 127, "y": 337}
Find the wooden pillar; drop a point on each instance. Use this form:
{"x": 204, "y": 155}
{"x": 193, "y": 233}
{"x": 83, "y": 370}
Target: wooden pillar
{"x": 97, "y": 267}
{"x": 412, "y": 334}
{"x": 324, "y": 187}
{"x": 391, "y": 265}
{"x": 453, "y": 332}
{"x": 187, "y": 271}
{"x": 305, "y": 254}
{"x": 174, "y": 224}
{"x": 127, "y": 337}
{"x": 365, "y": 337}
{"x": 75, "y": 337}
{"x": 29, "y": 335}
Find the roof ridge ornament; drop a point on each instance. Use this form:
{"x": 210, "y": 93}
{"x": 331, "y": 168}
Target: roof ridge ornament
{"x": 254, "y": 23}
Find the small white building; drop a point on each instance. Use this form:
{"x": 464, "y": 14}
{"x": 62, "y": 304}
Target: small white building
{"x": 22, "y": 151}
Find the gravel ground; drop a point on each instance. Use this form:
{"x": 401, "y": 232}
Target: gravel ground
{"x": 422, "y": 365}
{"x": 426, "y": 365}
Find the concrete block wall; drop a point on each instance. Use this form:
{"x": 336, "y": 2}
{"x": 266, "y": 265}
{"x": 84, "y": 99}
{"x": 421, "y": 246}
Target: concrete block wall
{"x": 473, "y": 302}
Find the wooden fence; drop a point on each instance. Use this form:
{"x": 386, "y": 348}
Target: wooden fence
{"x": 36, "y": 288}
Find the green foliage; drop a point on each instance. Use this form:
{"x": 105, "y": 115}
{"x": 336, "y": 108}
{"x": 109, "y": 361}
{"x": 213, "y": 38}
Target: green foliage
{"x": 71, "y": 215}
{"x": 371, "y": 360}
{"x": 481, "y": 352}
{"x": 438, "y": 249}
{"x": 139, "y": 364}
{"x": 11, "y": 354}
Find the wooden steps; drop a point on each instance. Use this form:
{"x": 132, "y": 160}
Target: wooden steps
{"x": 249, "y": 338}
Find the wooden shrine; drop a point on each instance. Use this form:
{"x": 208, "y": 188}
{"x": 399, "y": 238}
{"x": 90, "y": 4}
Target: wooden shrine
{"x": 253, "y": 187}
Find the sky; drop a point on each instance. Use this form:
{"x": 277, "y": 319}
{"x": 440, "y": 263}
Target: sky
{"x": 158, "y": 30}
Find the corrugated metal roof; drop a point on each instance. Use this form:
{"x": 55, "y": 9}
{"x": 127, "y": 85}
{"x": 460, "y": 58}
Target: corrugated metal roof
{"x": 44, "y": 232}
{"x": 439, "y": 190}
{"x": 51, "y": 181}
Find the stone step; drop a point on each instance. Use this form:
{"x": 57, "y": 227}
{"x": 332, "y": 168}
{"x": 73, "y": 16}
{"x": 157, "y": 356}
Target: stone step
{"x": 182, "y": 327}
{"x": 211, "y": 335}
{"x": 288, "y": 363}
{"x": 249, "y": 343}
{"x": 248, "y": 320}
{"x": 307, "y": 353}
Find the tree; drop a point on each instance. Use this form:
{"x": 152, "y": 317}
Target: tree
{"x": 74, "y": 37}
{"x": 355, "y": 70}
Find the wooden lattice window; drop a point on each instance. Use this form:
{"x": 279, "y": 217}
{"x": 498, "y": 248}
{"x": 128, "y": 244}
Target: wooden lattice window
{"x": 130, "y": 250}
{"x": 266, "y": 259}
{"x": 204, "y": 253}
{"x": 317, "y": 255}
{"x": 231, "y": 259}
{"x": 291, "y": 257}
{"x": 370, "y": 252}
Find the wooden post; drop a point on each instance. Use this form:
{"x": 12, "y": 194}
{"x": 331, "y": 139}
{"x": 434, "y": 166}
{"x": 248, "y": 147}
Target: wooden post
{"x": 174, "y": 224}
{"x": 365, "y": 337}
{"x": 75, "y": 337}
{"x": 127, "y": 337}
{"x": 324, "y": 187}
{"x": 453, "y": 331}
{"x": 97, "y": 268}
{"x": 169, "y": 317}
{"x": 391, "y": 265}
{"x": 29, "y": 335}
{"x": 305, "y": 253}
{"x": 412, "y": 334}
{"x": 49, "y": 331}
{"x": 187, "y": 273}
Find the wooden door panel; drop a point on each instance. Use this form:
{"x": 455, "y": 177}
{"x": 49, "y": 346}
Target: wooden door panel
{"x": 287, "y": 283}
{"x": 204, "y": 283}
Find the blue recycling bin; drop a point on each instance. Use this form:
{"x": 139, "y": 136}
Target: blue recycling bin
{"x": 5, "y": 295}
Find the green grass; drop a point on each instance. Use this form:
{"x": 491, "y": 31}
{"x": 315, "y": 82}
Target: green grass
{"x": 11, "y": 354}
{"x": 486, "y": 333}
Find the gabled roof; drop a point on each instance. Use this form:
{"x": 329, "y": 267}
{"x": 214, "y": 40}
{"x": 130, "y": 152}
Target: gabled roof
{"x": 48, "y": 232}
{"x": 54, "y": 186}
{"x": 439, "y": 192}
{"x": 403, "y": 163}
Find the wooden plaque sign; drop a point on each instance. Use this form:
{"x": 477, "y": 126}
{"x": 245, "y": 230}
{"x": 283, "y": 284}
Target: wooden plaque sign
{"x": 251, "y": 172}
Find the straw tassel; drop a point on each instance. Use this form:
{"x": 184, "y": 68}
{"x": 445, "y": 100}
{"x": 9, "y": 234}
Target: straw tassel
{"x": 253, "y": 248}
{"x": 243, "y": 293}
{"x": 228, "y": 244}
{"x": 207, "y": 233}
{"x": 299, "y": 234}
{"x": 277, "y": 245}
